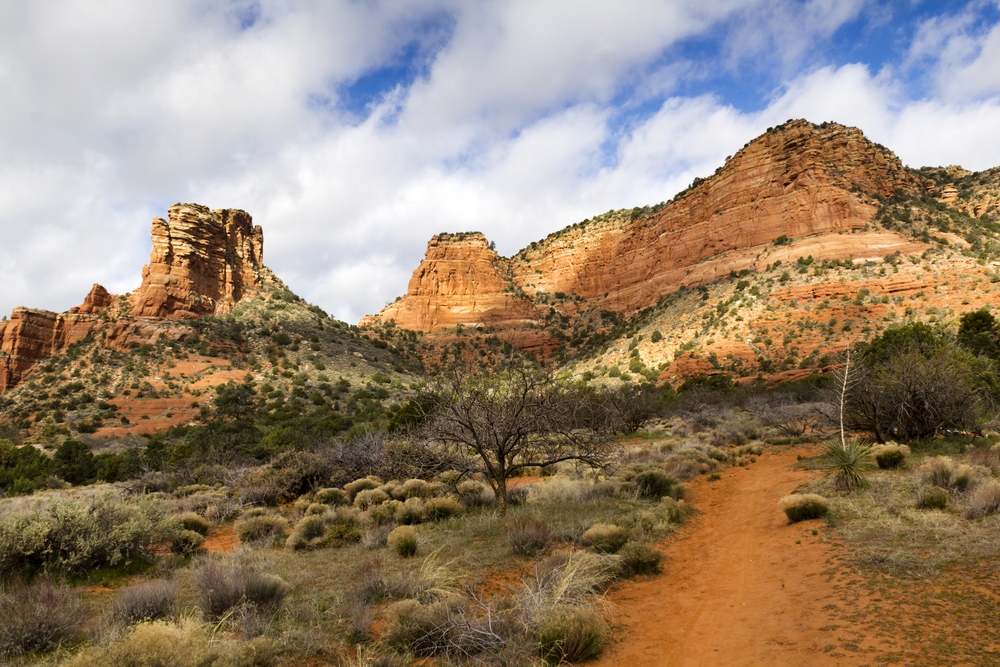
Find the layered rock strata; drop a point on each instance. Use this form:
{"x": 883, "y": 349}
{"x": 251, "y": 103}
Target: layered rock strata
{"x": 796, "y": 180}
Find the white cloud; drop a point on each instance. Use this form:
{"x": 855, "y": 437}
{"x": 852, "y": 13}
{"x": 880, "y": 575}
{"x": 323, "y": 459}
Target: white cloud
{"x": 526, "y": 115}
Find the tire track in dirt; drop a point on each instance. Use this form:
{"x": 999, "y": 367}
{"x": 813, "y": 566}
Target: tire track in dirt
{"x": 737, "y": 589}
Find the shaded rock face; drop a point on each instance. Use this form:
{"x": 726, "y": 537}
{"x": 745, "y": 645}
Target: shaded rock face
{"x": 797, "y": 180}
{"x": 202, "y": 263}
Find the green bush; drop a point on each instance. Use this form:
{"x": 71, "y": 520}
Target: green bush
{"x": 890, "y": 455}
{"x": 369, "y": 498}
{"x": 332, "y": 497}
{"x": 260, "y": 527}
{"x": 413, "y": 488}
{"x": 385, "y": 513}
{"x": 528, "y": 535}
{"x": 410, "y": 512}
{"x": 38, "y": 618}
{"x": 605, "y": 538}
{"x": 442, "y": 508}
{"x": 358, "y": 485}
{"x": 403, "y": 540}
{"x": 653, "y": 483}
{"x": 314, "y": 531}
{"x": 186, "y": 542}
{"x": 192, "y": 521}
{"x": 571, "y": 634}
{"x": 804, "y": 506}
{"x": 932, "y": 498}
{"x": 75, "y": 535}
{"x": 638, "y": 558}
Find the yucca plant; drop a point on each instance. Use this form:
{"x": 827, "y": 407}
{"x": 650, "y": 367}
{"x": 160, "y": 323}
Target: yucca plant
{"x": 847, "y": 462}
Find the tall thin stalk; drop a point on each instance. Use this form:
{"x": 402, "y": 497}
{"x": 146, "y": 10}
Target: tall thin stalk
{"x": 843, "y": 393}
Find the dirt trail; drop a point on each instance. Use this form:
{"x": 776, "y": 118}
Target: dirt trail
{"x": 737, "y": 589}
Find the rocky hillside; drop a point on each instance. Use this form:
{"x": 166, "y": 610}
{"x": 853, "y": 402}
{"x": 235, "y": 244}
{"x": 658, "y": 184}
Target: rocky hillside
{"x": 800, "y": 217}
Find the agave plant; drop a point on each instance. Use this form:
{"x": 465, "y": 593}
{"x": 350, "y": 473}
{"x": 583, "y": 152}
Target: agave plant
{"x": 847, "y": 462}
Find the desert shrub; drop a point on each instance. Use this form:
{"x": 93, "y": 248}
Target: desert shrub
{"x": 410, "y": 512}
{"x": 421, "y": 629}
{"x": 890, "y": 455}
{"x": 677, "y": 511}
{"x": 983, "y": 500}
{"x": 186, "y": 542}
{"x": 369, "y": 498}
{"x": 181, "y": 644}
{"x": 403, "y": 540}
{"x": 638, "y": 558}
{"x": 38, "y": 618}
{"x": 76, "y": 535}
{"x": 559, "y": 490}
{"x": 528, "y": 535}
{"x": 517, "y": 496}
{"x": 358, "y": 485}
{"x": 847, "y": 463}
{"x": 473, "y": 493}
{"x": 413, "y": 488}
{"x": 326, "y": 530}
{"x": 146, "y": 601}
{"x": 293, "y": 473}
{"x": 570, "y": 634}
{"x": 316, "y": 508}
{"x": 932, "y": 498}
{"x": 605, "y": 538}
{"x": 260, "y": 527}
{"x": 442, "y": 508}
{"x": 332, "y": 497}
{"x": 222, "y": 586}
{"x": 192, "y": 521}
{"x": 385, "y": 512}
{"x": 804, "y": 506}
{"x": 653, "y": 483}
{"x": 942, "y": 471}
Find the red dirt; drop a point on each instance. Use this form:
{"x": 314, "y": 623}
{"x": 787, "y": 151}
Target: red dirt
{"x": 737, "y": 588}
{"x": 221, "y": 540}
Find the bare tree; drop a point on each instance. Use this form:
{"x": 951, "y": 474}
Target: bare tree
{"x": 513, "y": 418}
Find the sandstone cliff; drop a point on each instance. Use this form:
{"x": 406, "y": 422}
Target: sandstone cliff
{"x": 203, "y": 262}
{"x": 796, "y": 180}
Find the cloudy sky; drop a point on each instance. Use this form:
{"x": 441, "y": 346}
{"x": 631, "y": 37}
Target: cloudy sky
{"x": 354, "y": 130}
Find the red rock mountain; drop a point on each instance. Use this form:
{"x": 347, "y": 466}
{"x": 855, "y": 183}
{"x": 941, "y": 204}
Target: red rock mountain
{"x": 796, "y": 180}
{"x": 203, "y": 262}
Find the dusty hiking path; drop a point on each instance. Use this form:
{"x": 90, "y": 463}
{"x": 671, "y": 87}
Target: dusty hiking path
{"x": 737, "y": 589}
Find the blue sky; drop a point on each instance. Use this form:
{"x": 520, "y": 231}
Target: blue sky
{"x": 354, "y": 130}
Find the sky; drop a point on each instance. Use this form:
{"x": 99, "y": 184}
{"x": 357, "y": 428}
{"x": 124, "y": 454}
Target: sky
{"x": 354, "y": 130}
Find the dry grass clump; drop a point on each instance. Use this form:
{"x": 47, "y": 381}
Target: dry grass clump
{"x": 804, "y": 506}
{"x": 442, "y": 508}
{"x": 186, "y": 542}
{"x": 528, "y": 535}
{"x": 223, "y": 586}
{"x": 192, "y": 521}
{"x": 639, "y": 558}
{"x": 414, "y": 488}
{"x": 983, "y": 500}
{"x": 145, "y": 601}
{"x": 316, "y": 508}
{"x": 605, "y": 538}
{"x": 38, "y": 618}
{"x": 571, "y": 634}
{"x": 890, "y": 455}
{"x": 403, "y": 540}
{"x": 559, "y": 490}
{"x": 932, "y": 498}
{"x": 648, "y": 482}
{"x": 359, "y": 485}
{"x": 332, "y": 497}
{"x": 181, "y": 644}
{"x": 944, "y": 472}
{"x": 410, "y": 512}
{"x": 333, "y": 529}
{"x": 369, "y": 498}
{"x": 385, "y": 513}
{"x": 474, "y": 494}
{"x": 260, "y": 526}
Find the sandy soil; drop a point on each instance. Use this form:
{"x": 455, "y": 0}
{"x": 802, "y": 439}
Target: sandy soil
{"x": 742, "y": 586}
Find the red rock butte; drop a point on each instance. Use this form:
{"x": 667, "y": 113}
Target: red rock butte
{"x": 203, "y": 263}
{"x": 796, "y": 180}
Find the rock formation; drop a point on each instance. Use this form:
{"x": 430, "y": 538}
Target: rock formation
{"x": 796, "y": 180}
{"x": 202, "y": 263}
